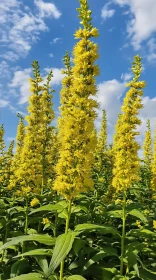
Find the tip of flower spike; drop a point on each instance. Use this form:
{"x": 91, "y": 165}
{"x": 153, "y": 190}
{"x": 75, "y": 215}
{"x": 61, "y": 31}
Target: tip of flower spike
{"x": 85, "y": 14}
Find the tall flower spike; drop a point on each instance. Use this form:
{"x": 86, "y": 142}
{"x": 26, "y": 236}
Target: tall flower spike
{"x": 32, "y": 170}
{"x": 16, "y": 162}
{"x": 147, "y": 147}
{"x": 2, "y": 156}
{"x": 102, "y": 138}
{"x": 76, "y": 124}
{"x": 153, "y": 181}
{"x": 127, "y": 163}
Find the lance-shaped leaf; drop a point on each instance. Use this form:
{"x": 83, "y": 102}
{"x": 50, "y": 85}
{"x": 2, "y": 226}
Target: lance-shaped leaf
{"x": 41, "y": 238}
{"x": 62, "y": 247}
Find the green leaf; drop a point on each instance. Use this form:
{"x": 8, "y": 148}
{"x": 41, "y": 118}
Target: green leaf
{"x": 63, "y": 214}
{"x": 116, "y": 214}
{"x": 19, "y": 267}
{"x": 119, "y": 277}
{"x": 78, "y": 208}
{"x": 134, "y": 246}
{"x": 76, "y": 277}
{"x": 78, "y": 245}
{"x": 132, "y": 261}
{"x": 102, "y": 273}
{"x": 138, "y": 214}
{"x": 147, "y": 274}
{"x": 43, "y": 263}
{"x": 107, "y": 251}
{"x": 141, "y": 233}
{"x": 62, "y": 247}
{"x": 41, "y": 238}
{"x": 29, "y": 276}
{"x": 50, "y": 207}
{"x": 102, "y": 229}
{"x": 36, "y": 252}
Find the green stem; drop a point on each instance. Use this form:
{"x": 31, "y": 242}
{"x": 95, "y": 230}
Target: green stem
{"x": 66, "y": 231}
{"x": 123, "y": 235}
{"x": 26, "y": 224}
{"x": 26, "y": 217}
{"x": 55, "y": 227}
{"x": 5, "y": 238}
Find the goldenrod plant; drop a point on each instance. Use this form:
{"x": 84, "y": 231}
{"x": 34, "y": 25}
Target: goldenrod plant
{"x": 153, "y": 179}
{"x": 147, "y": 147}
{"x": 15, "y": 164}
{"x": 126, "y": 160}
{"x": 76, "y": 125}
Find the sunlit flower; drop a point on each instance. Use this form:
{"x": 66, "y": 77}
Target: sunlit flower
{"x": 34, "y": 202}
{"x": 154, "y": 224}
{"x": 46, "y": 221}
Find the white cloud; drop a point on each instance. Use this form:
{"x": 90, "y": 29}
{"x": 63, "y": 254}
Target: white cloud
{"x": 21, "y": 27}
{"x": 57, "y": 75}
{"x": 109, "y": 97}
{"x": 47, "y": 9}
{"x": 126, "y": 77}
{"x": 4, "y": 70}
{"x": 142, "y": 23}
{"x": 9, "y": 55}
{"x": 3, "y": 103}
{"x": 106, "y": 12}
{"x": 20, "y": 82}
{"x": 55, "y": 40}
{"x": 151, "y": 57}
{"x": 51, "y": 55}
{"x": 9, "y": 139}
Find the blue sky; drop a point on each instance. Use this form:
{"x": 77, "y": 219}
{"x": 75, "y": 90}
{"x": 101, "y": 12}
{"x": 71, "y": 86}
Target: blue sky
{"x": 43, "y": 30}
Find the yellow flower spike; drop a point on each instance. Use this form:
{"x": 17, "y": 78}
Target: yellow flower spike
{"x": 34, "y": 202}
{"x": 35, "y": 154}
{"x": 77, "y": 110}
{"x": 153, "y": 180}
{"x": 154, "y": 224}
{"x": 147, "y": 147}
{"x": 126, "y": 160}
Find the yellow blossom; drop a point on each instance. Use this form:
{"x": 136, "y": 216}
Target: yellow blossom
{"x": 154, "y": 224}
{"x": 118, "y": 201}
{"x": 45, "y": 221}
{"x": 34, "y": 202}
{"x": 138, "y": 223}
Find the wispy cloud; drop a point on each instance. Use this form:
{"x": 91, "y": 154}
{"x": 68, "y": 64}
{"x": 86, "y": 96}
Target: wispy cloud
{"x": 51, "y": 55}
{"x": 106, "y": 12}
{"x": 55, "y": 40}
{"x": 20, "y": 82}
{"x": 47, "y": 9}
{"x": 141, "y": 24}
{"x": 21, "y": 27}
{"x": 3, "y": 103}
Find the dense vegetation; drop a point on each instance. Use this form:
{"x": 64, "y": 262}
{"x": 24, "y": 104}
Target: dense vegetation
{"x": 73, "y": 206}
